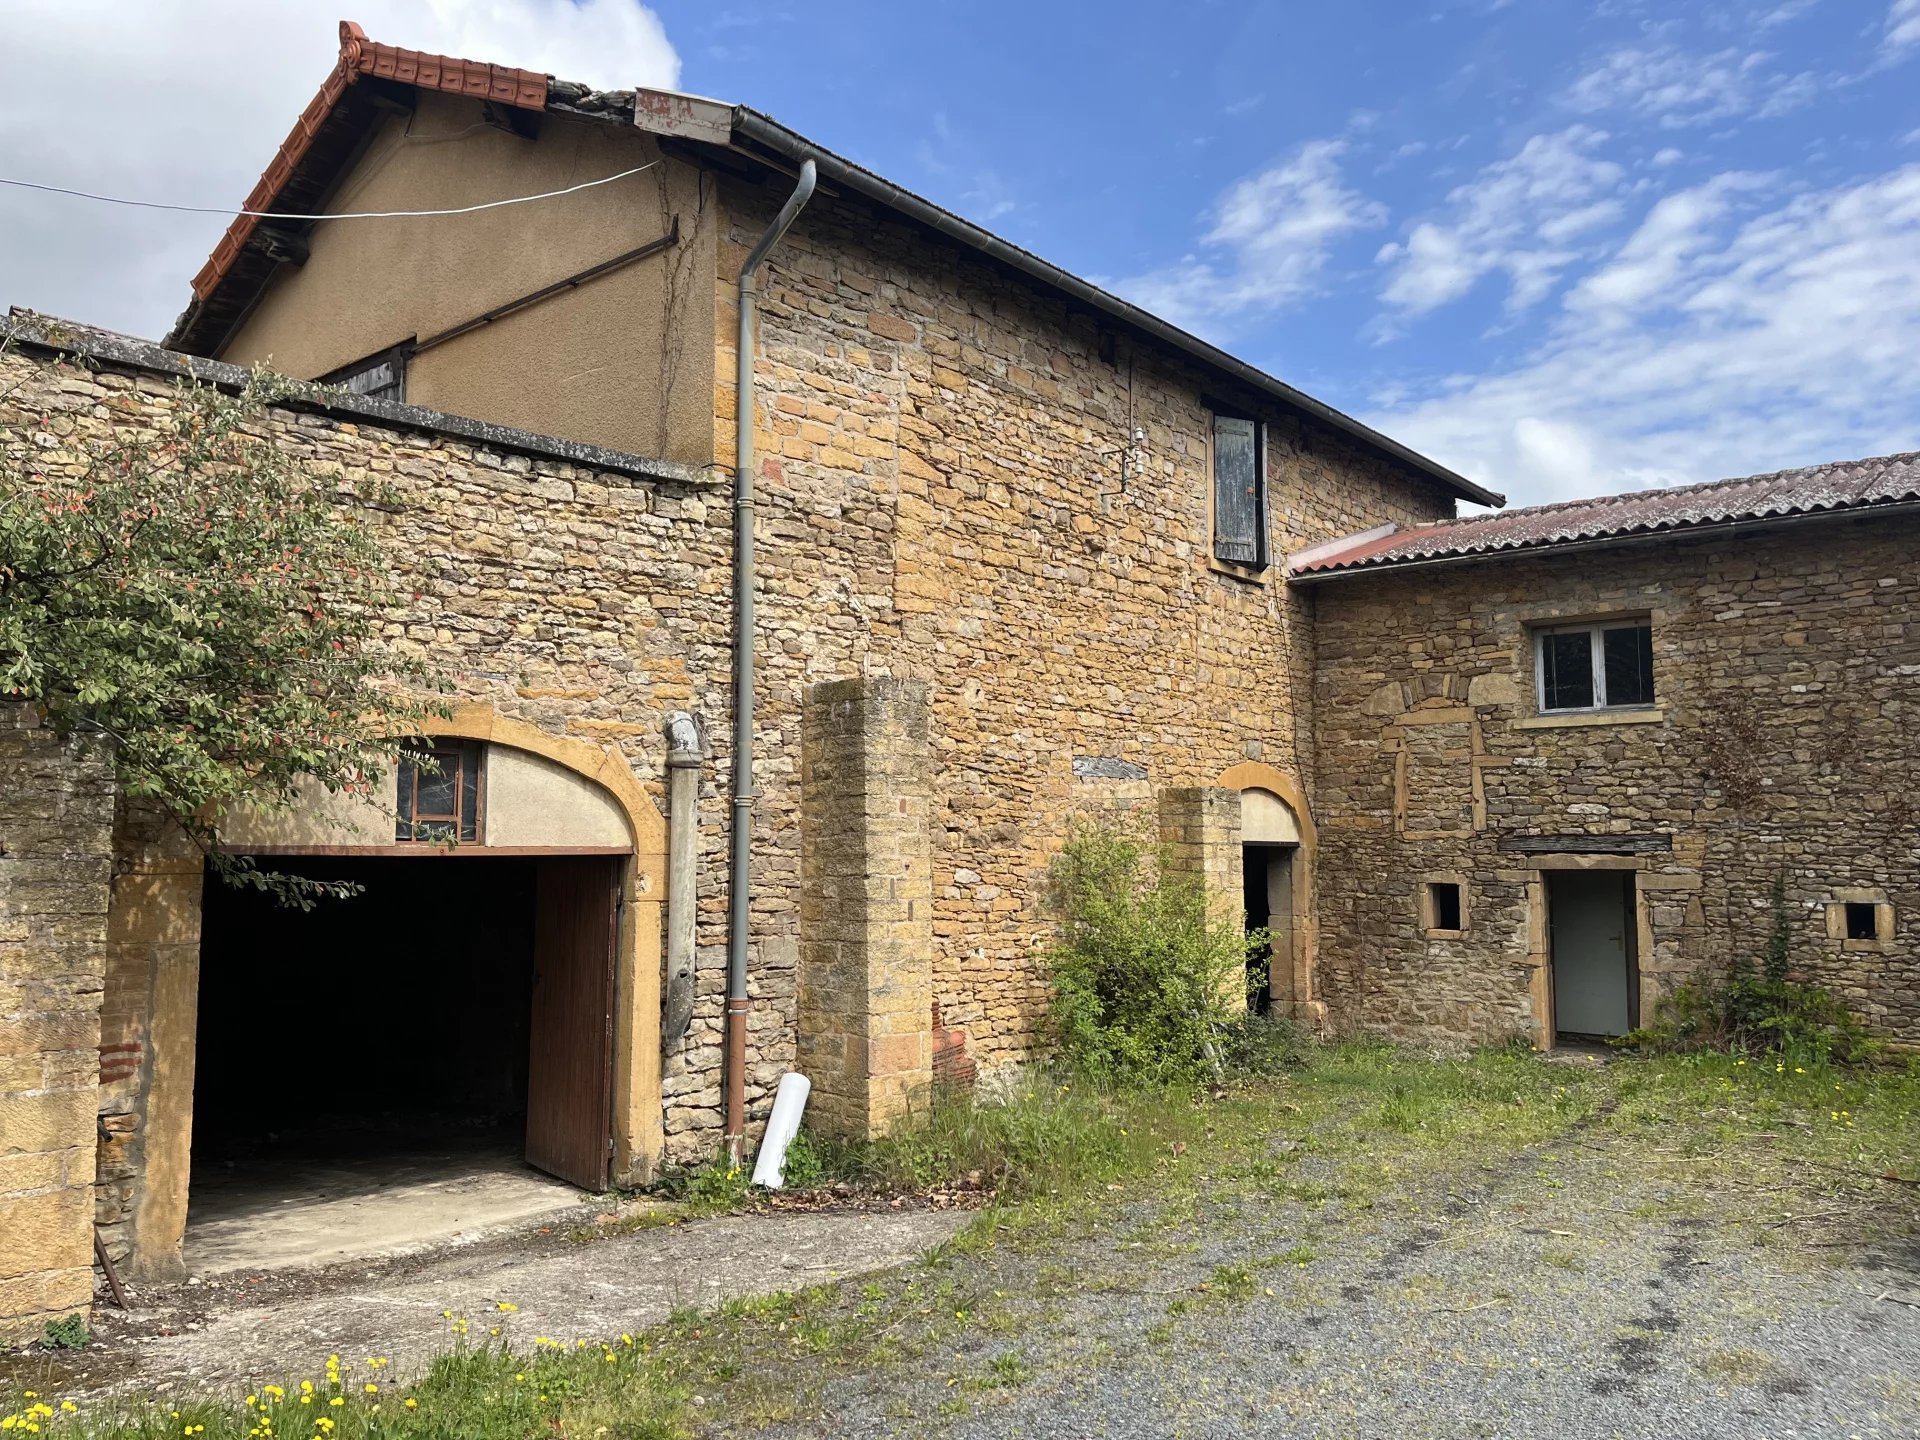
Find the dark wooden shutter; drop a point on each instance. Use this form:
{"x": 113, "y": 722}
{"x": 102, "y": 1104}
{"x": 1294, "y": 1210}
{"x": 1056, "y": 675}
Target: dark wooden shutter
{"x": 1239, "y": 506}
{"x": 570, "y": 1059}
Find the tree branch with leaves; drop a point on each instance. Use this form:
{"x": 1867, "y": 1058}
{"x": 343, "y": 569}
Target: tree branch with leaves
{"x": 175, "y": 579}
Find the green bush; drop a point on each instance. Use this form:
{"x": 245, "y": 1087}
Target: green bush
{"x": 1148, "y": 979}
{"x": 1760, "y": 1014}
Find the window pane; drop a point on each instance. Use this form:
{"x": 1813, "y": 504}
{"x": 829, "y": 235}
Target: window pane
{"x": 470, "y": 797}
{"x": 1566, "y": 671}
{"x": 1236, "y": 491}
{"x": 437, "y": 789}
{"x": 1628, "y": 656}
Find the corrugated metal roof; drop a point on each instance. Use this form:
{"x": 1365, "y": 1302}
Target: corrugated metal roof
{"x": 1819, "y": 489}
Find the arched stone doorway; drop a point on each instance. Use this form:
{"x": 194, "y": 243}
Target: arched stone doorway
{"x": 515, "y": 947}
{"x": 1277, "y": 855}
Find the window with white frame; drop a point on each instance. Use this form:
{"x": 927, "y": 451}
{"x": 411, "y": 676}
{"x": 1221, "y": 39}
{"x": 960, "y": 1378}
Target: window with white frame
{"x": 1598, "y": 665}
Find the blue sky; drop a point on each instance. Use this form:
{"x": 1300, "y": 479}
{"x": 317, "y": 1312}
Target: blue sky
{"x": 1564, "y": 248}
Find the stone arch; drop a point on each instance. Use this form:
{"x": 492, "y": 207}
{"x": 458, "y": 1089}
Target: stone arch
{"x": 175, "y": 896}
{"x": 606, "y": 767}
{"x": 1256, "y": 776}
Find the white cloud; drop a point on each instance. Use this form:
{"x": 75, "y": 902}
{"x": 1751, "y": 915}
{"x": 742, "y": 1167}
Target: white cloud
{"x": 1519, "y": 215}
{"x": 1709, "y": 346}
{"x": 184, "y": 101}
{"x": 1903, "y": 27}
{"x": 1270, "y": 238}
{"x": 1674, "y": 88}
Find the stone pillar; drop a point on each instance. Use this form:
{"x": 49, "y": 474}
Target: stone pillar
{"x": 866, "y": 904}
{"x": 56, "y": 859}
{"x": 1200, "y": 833}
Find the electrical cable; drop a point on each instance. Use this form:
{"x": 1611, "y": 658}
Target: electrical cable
{"x": 361, "y": 215}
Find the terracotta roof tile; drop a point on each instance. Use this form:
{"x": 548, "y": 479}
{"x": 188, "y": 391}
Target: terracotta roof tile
{"x": 1843, "y": 485}
{"x": 525, "y": 89}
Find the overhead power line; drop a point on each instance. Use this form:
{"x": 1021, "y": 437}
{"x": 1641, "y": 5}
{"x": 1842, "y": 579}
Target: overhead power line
{"x": 354, "y": 215}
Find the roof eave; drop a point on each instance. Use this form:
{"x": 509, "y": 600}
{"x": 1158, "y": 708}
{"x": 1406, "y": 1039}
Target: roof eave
{"x": 763, "y": 130}
{"x": 1608, "y": 542}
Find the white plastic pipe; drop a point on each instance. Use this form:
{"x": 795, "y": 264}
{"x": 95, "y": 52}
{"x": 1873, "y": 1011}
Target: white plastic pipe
{"x": 789, "y": 1104}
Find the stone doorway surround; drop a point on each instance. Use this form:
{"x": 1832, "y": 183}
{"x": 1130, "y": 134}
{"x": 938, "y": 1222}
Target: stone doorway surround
{"x": 1648, "y": 876}
{"x": 1304, "y": 1005}
{"x": 155, "y": 915}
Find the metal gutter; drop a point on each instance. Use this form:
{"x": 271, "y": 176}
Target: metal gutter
{"x": 1712, "y": 528}
{"x": 740, "y": 852}
{"x": 762, "y": 130}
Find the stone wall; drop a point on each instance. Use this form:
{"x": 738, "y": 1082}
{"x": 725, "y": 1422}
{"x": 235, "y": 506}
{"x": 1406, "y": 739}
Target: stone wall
{"x": 950, "y": 492}
{"x": 866, "y": 905}
{"x": 1787, "y": 674}
{"x": 56, "y": 822}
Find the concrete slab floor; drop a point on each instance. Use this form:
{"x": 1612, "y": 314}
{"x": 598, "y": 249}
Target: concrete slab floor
{"x": 270, "y": 1212}
{"x": 223, "y": 1336}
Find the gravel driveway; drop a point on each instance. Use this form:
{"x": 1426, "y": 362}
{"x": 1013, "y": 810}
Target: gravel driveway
{"x": 1568, "y": 1289}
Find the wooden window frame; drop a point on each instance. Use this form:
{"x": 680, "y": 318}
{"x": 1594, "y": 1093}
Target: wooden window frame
{"x": 1430, "y": 912}
{"x": 394, "y": 356}
{"x": 408, "y": 822}
{"x": 1595, "y": 630}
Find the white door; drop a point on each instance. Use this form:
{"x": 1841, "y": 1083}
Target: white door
{"x": 1588, "y": 912}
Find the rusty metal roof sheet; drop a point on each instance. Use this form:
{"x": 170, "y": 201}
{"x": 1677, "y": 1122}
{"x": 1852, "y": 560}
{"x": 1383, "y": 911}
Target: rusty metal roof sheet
{"x": 360, "y": 56}
{"x": 1846, "y": 485}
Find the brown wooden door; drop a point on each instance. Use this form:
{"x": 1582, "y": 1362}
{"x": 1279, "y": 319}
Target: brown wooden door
{"x": 570, "y": 1059}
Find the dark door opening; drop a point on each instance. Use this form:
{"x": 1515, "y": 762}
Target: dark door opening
{"x": 1590, "y": 916}
{"x": 454, "y": 1017}
{"x": 1267, "y": 878}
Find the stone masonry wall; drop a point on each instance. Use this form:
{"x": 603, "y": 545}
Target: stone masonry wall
{"x": 56, "y": 820}
{"x": 1787, "y": 680}
{"x": 949, "y": 492}
{"x": 866, "y": 905}
{"x": 587, "y": 602}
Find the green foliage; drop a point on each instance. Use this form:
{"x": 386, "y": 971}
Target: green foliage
{"x": 1773, "y": 968}
{"x": 69, "y": 1332}
{"x": 1256, "y": 1046}
{"x": 1745, "y": 1014}
{"x": 1148, "y": 979}
{"x": 189, "y": 591}
{"x": 1764, "y": 1014}
{"x": 713, "y": 1189}
{"x": 806, "y": 1163}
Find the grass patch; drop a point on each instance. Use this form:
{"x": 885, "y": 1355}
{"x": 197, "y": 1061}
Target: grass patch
{"x": 1301, "y": 1155}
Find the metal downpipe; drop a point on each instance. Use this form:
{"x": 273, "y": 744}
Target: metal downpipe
{"x": 741, "y": 836}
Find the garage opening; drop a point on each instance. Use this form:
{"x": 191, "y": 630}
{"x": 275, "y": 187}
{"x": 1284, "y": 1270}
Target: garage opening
{"x": 442, "y": 1038}
{"x": 1590, "y": 917}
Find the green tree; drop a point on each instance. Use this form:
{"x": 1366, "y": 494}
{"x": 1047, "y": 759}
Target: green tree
{"x": 180, "y": 583}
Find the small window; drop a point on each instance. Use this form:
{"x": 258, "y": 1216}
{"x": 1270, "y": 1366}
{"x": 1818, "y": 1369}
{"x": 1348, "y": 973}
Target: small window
{"x": 1239, "y": 492}
{"x": 1443, "y": 906}
{"x": 1863, "y": 920}
{"x": 439, "y": 793}
{"x": 378, "y": 377}
{"x": 1608, "y": 666}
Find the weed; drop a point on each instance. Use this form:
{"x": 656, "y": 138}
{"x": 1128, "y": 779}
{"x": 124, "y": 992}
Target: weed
{"x": 69, "y": 1332}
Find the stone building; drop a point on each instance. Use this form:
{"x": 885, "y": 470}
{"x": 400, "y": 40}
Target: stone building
{"x": 1018, "y": 548}
{"x": 1566, "y": 754}
{"x": 1021, "y": 557}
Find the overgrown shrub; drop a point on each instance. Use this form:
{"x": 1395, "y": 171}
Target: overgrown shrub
{"x": 1148, "y": 979}
{"x": 1761, "y": 1014}
{"x": 1753, "y": 1014}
